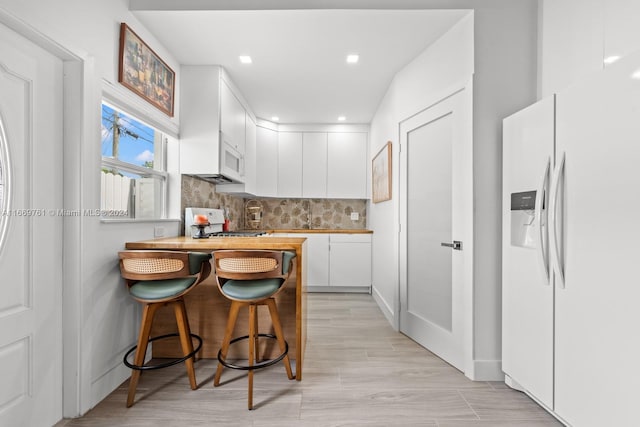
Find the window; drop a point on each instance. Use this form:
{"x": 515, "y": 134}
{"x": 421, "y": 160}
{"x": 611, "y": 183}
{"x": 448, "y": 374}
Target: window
{"x": 133, "y": 175}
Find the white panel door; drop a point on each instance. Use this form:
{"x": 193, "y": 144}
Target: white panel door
{"x": 31, "y": 245}
{"x": 527, "y": 293}
{"x": 290, "y": 164}
{"x": 597, "y": 316}
{"x": 432, "y": 189}
{"x": 347, "y": 171}
{"x": 314, "y": 165}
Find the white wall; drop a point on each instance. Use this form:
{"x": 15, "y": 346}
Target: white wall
{"x": 504, "y": 67}
{"x": 442, "y": 68}
{"x": 107, "y": 318}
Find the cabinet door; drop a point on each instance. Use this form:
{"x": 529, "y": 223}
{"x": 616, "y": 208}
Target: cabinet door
{"x": 199, "y": 125}
{"x": 290, "y": 164}
{"x": 317, "y": 259}
{"x": 267, "y": 165}
{"x": 232, "y": 119}
{"x": 314, "y": 165}
{"x": 347, "y": 166}
{"x": 350, "y": 260}
{"x": 250, "y": 159}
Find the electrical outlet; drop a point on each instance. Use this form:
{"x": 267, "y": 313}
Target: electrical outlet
{"x": 355, "y": 216}
{"x": 158, "y": 231}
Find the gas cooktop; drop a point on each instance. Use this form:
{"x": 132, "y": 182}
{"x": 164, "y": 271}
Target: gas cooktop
{"x": 237, "y": 234}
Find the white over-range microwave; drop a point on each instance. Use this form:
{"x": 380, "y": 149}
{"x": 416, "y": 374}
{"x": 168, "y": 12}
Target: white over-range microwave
{"x": 231, "y": 161}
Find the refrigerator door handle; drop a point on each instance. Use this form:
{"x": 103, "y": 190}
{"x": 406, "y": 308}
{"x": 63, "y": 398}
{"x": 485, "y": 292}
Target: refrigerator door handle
{"x": 553, "y": 223}
{"x": 542, "y": 207}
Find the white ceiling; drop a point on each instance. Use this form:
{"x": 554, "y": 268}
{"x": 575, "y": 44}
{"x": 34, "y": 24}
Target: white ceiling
{"x": 299, "y": 71}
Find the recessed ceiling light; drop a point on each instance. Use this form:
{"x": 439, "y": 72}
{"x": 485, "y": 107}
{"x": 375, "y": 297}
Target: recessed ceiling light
{"x": 611, "y": 59}
{"x": 636, "y": 75}
{"x": 245, "y": 59}
{"x": 341, "y": 118}
{"x": 353, "y": 58}
{"x": 275, "y": 118}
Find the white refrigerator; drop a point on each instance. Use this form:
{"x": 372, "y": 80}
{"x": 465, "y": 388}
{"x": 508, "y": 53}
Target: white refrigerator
{"x": 571, "y": 235}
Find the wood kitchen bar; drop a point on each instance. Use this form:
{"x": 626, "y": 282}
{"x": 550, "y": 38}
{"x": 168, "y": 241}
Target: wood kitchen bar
{"x": 208, "y": 309}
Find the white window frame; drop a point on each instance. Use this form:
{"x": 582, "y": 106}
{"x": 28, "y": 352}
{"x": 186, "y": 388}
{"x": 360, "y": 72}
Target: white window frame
{"x": 159, "y": 170}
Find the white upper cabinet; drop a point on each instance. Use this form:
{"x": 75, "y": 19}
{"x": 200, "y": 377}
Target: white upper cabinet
{"x": 314, "y": 165}
{"x": 290, "y": 164}
{"x": 199, "y": 119}
{"x": 232, "y": 118}
{"x": 213, "y": 125}
{"x": 250, "y": 173}
{"x": 347, "y": 165}
{"x": 266, "y": 162}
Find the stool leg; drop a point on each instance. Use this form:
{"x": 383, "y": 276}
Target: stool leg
{"x": 252, "y": 350}
{"x": 185, "y": 339}
{"x": 277, "y": 327}
{"x": 148, "y": 312}
{"x": 257, "y": 343}
{"x": 231, "y": 323}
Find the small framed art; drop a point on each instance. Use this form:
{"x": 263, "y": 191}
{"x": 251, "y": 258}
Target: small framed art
{"x": 381, "y": 174}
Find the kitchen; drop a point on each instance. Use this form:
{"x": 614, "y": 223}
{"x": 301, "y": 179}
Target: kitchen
{"x": 506, "y": 79}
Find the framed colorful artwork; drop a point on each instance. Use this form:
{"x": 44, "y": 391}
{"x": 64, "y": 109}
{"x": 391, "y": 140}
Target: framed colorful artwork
{"x": 143, "y": 72}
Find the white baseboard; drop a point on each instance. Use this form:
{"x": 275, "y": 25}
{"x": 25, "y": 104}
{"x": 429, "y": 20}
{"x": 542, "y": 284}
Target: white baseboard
{"x": 513, "y": 383}
{"x": 486, "y": 370}
{"x": 384, "y": 307}
{"x": 108, "y": 382}
{"x": 339, "y": 289}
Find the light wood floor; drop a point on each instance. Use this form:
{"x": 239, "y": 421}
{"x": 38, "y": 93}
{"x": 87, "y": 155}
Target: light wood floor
{"x": 358, "y": 372}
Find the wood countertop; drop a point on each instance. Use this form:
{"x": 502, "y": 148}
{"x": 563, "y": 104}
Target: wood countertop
{"x": 191, "y": 244}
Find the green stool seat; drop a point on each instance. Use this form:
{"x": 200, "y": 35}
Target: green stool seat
{"x": 251, "y": 289}
{"x": 160, "y": 289}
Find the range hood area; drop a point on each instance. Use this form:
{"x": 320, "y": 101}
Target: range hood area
{"x": 216, "y": 178}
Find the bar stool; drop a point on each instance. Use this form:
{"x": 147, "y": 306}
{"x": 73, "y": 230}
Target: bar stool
{"x": 156, "y": 279}
{"x": 252, "y": 278}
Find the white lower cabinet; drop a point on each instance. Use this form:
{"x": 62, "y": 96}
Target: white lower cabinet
{"x": 350, "y": 261}
{"x": 337, "y": 262}
{"x": 317, "y": 259}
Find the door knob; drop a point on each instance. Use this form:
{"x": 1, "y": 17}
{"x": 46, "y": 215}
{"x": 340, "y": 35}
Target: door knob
{"x": 456, "y": 245}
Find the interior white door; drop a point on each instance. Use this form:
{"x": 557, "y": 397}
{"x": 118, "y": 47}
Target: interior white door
{"x": 31, "y": 244}
{"x": 432, "y": 192}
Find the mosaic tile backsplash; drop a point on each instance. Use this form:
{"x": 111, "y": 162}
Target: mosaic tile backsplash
{"x": 294, "y": 214}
